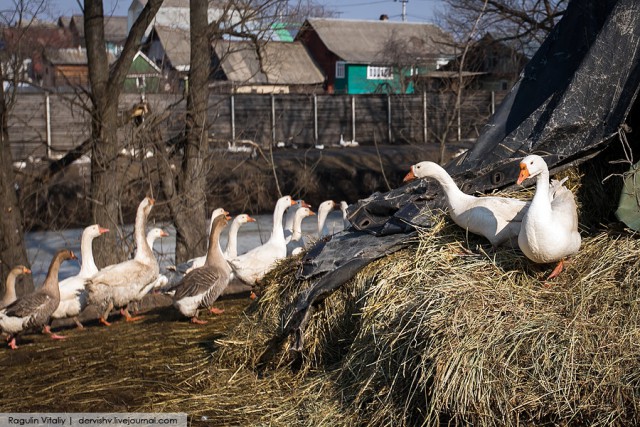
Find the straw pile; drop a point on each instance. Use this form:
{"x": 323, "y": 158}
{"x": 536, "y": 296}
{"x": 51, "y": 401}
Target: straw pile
{"x": 451, "y": 331}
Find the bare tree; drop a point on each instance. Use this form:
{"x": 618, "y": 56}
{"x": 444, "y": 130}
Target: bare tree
{"x": 12, "y": 76}
{"x": 522, "y": 23}
{"x": 106, "y": 85}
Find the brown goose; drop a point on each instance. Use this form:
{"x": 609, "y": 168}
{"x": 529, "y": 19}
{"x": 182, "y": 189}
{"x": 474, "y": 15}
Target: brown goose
{"x": 202, "y": 286}
{"x": 10, "y": 285}
{"x": 33, "y": 310}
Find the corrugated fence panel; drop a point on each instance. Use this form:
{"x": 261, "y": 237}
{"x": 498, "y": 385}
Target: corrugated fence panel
{"x": 28, "y": 127}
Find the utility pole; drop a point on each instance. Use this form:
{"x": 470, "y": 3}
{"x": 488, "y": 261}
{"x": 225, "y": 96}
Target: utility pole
{"x": 404, "y": 9}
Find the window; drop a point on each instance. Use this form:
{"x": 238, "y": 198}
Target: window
{"x": 379, "y": 73}
{"x": 339, "y": 69}
{"x": 140, "y": 82}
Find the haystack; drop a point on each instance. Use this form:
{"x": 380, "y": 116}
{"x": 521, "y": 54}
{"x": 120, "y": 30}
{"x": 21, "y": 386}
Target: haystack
{"x": 450, "y": 330}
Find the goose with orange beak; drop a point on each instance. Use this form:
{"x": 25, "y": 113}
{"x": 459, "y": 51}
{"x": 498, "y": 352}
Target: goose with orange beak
{"x": 495, "y": 218}
{"x": 549, "y": 231}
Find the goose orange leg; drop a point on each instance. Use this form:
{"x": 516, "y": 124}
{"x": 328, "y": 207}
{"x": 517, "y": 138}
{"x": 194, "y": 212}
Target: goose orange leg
{"x": 128, "y": 316}
{"x": 214, "y": 310}
{"x": 12, "y": 343}
{"x": 197, "y": 321}
{"x": 54, "y": 336}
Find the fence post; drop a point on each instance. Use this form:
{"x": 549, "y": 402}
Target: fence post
{"x": 273, "y": 119}
{"x": 493, "y": 102}
{"x": 315, "y": 118}
{"x": 424, "y": 117}
{"x": 233, "y": 119}
{"x": 47, "y": 111}
{"x": 353, "y": 117}
{"x": 389, "y": 117}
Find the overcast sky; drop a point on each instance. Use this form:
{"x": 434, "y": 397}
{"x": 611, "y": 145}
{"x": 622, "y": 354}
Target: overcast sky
{"x": 417, "y": 10}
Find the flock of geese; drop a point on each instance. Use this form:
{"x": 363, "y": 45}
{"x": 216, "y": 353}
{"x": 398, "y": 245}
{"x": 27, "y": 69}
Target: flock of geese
{"x": 545, "y": 229}
{"x": 123, "y": 285}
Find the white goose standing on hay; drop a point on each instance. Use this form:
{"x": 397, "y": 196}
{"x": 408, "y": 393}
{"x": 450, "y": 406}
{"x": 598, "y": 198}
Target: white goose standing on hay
{"x": 497, "y": 219}
{"x": 10, "y": 285}
{"x": 202, "y": 286}
{"x": 117, "y": 285}
{"x": 73, "y": 296}
{"x": 549, "y": 231}
{"x": 252, "y": 266}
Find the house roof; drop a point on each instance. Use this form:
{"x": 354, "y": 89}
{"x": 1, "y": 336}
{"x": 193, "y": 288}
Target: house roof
{"x": 364, "y": 42}
{"x": 72, "y": 56}
{"x": 176, "y": 43}
{"x": 115, "y": 27}
{"x": 283, "y": 63}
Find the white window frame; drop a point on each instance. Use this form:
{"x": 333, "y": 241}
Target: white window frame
{"x": 375, "y": 72}
{"x": 340, "y": 69}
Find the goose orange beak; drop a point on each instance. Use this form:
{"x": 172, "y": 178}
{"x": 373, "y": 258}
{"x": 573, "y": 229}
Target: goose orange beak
{"x": 103, "y": 230}
{"x": 410, "y": 176}
{"x": 293, "y": 202}
{"x": 73, "y": 256}
{"x": 152, "y": 201}
{"x": 524, "y": 173}
{"x": 164, "y": 234}
{"x": 25, "y": 270}
{"x": 305, "y": 204}
{"x": 311, "y": 213}
{"x": 250, "y": 219}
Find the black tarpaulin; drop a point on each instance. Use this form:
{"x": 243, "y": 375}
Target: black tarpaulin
{"x": 572, "y": 98}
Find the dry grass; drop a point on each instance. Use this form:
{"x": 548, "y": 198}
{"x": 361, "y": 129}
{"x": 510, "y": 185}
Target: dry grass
{"x": 445, "y": 331}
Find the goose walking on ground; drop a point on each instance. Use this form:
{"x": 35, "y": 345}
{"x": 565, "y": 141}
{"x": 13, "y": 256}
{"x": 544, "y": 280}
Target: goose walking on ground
{"x": 296, "y": 243}
{"x": 73, "y": 296}
{"x": 160, "y": 281}
{"x": 549, "y": 231}
{"x": 323, "y": 211}
{"x": 290, "y": 215}
{"x": 232, "y": 240}
{"x": 33, "y": 310}
{"x": 118, "y": 284}
{"x": 497, "y": 219}
{"x": 252, "y": 266}
{"x": 202, "y": 286}
{"x": 199, "y": 261}
{"x": 10, "y": 285}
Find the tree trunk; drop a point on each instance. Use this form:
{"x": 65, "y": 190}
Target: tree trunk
{"x": 12, "y": 248}
{"x": 189, "y": 208}
{"x": 106, "y": 85}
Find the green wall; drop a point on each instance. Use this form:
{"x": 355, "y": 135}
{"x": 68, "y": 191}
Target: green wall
{"x": 356, "y": 82}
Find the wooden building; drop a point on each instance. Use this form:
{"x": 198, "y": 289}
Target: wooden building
{"x": 361, "y": 57}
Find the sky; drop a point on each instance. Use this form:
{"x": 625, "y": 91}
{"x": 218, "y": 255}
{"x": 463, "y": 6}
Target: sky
{"x": 417, "y": 10}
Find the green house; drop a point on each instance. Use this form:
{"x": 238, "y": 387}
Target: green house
{"x": 360, "y": 57}
{"x": 144, "y": 76}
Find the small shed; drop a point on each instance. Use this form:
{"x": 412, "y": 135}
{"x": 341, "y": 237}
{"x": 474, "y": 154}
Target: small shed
{"x": 269, "y": 67}
{"x": 144, "y": 76}
{"x": 374, "y": 56}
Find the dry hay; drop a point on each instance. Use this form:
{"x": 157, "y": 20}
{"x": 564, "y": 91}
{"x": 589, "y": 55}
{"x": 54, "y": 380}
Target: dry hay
{"x": 451, "y": 331}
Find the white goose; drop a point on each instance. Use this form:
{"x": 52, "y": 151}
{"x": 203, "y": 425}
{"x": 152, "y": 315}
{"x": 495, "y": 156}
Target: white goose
{"x": 73, "y": 296}
{"x": 495, "y": 218}
{"x": 118, "y": 284}
{"x": 253, "y": 265}
{"x": 549, "y": 231}
{"x": 345, "y": 221}
{"x": 290, "y": 216}
{"x": 232, "y": 240}
{"x": 323, "y": 211}
{"x": 10, "y": 285}
{"x": 296, "y": 243}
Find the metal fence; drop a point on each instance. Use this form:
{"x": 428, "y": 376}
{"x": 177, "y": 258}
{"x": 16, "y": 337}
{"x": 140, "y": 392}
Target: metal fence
{"x": 48, "y": 125}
